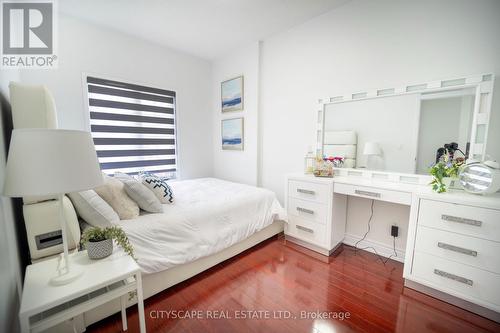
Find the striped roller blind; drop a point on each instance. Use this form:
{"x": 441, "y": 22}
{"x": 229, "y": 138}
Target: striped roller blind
{"x": 133, "y": 127}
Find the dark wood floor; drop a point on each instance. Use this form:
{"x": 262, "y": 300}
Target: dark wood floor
{"x": 274, "y": 280}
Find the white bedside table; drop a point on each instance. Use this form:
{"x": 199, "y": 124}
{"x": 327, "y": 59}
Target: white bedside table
{"x": 44, "y": 305}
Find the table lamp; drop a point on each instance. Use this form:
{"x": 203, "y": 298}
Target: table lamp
{"x": 44, "y": 162}
{"x": 371, "y": 149}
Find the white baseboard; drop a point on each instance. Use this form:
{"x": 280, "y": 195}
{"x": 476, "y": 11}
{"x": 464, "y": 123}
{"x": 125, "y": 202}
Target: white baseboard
{"x": 382, "y": 249}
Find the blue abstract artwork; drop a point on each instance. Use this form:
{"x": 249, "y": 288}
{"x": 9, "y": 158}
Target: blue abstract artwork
{"x": 232, "y": 134}
{"x": 232, "y": 94}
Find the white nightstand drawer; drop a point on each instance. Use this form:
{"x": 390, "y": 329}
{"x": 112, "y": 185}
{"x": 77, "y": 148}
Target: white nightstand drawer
{"x": 458, "y": 279}
{"x": 307, "y": 231}
{"x": 468, "y": 220}
{"x": 308, "y": 191}
{"x": 468, "y": 250}
{"x": 307, "y": 210}
{"x": 373, "y": 193}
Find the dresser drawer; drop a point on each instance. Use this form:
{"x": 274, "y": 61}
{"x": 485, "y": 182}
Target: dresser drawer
{"x": 468, "y": 250}
{"x": 373, "y": 193}
{"x": 467, "y": 220}
{"x": 308, "y": 210}
{"x": 307, "y": 231}
{"x": 458, "y": 279}
{"x": 309, "y": 191}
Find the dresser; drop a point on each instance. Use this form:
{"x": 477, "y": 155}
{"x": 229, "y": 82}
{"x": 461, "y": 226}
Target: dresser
{"x": 453, "y": 242}
{"x": 316, "y": 215}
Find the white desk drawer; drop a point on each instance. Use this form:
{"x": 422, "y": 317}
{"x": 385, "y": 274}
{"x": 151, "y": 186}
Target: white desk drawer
{"x": 458, "y": 279}
{"x": 373, "y": 193}
{"x": 467, "y": 220}
{"x": 307, "y": 231}
{"x": 468, "y": 250}
{"x": 307, "y": 210}
{"x": 309, "y": 191}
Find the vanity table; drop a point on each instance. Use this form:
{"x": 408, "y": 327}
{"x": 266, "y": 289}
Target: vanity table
{"x": 453, "y": 238}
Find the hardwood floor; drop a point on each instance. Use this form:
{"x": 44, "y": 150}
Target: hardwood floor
{"x": 356, "y": 290}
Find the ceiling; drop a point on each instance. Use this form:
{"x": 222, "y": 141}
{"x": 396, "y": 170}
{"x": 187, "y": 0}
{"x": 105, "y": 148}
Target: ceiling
{"x": 204, "y": 28}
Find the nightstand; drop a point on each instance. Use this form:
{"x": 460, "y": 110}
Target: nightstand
{"x": 44, "y": 305}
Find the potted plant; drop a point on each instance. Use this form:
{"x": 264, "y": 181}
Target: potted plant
{"x": 444, "y": 171}
{"x": 99, "y": 241}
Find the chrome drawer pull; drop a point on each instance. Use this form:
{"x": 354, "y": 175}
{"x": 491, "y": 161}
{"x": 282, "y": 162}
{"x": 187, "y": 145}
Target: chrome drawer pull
{"x": 301, "y": 190}
{"x": 453, "y": 277}
{"x": 304, "y": 229}
{"x": 457, "y": 249}
{"x": 305, "y": 210}
{"x": 368, "y": 193}
{"x": 463, "y": 220}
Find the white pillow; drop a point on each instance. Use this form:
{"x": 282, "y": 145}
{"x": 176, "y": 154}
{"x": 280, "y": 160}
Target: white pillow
{"x": 113, "y": 192}
{"x": 93, "y": 209}
{"x": 159, "y": 187}
{"x": 146, "y": 199}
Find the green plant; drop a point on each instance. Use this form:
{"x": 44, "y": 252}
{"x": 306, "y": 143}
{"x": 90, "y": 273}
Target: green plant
{"x": 97, "y": 234}
{"x": 442, "y": 169}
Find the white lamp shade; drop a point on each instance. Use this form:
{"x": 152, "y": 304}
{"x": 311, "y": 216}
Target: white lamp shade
{"x": 372, "y": 148}
{"x": 50, "y": 162}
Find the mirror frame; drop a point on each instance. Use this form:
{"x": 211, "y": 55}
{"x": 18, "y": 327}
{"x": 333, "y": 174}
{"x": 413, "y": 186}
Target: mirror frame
{"x": 483, "y": 85}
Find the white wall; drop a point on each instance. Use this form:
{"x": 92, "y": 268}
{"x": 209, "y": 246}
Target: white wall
{"x": 365, "y": 45}
{"x": 87, "y": 48}
{"x": 234, "y": 165}
{"x": 10, "y": 272}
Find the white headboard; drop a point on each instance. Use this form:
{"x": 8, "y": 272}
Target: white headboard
{"x": 34, "y": 107}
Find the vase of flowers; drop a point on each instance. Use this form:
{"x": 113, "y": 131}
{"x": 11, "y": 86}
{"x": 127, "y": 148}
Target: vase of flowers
{"x": 323, "y": 167}
{"x": 99, "y": 241}
{"x": 444, "y": 172}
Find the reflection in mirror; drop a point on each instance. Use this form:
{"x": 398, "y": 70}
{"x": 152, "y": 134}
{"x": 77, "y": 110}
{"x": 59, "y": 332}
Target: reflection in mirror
{"x": 399, "y": 133}
{"x": 386, "y": 129}
{"x": 445, "y": 122}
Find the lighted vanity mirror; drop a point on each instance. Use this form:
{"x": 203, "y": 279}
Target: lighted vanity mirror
{"x": 405, "y": 130}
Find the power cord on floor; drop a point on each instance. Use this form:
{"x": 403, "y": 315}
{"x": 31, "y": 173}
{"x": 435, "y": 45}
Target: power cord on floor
{"x": 356, "y": 248}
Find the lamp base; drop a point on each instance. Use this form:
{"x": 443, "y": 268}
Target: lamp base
{"x": 67, "y": 277}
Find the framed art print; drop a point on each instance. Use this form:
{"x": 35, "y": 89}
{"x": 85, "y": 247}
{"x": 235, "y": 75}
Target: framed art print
{"x": 232, "y": 134}
{"x": 232, "y": 94}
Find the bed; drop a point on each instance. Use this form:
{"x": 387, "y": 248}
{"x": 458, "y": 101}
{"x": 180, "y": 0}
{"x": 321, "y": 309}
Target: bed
{"x": 210, "y": 221}
{"x": 208, "y": 215}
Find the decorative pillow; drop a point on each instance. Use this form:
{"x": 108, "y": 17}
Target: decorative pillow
{"x": 113, "y": 192}
{"x": 159, "y": 186}
{"x": 140, "y": 193}
{"x": 93, "y": 209}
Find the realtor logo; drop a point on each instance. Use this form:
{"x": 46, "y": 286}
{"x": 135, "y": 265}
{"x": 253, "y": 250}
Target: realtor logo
{"x": 28, "y": 34}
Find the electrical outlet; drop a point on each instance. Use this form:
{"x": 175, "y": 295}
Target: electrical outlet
{"x": 394, "y": 231}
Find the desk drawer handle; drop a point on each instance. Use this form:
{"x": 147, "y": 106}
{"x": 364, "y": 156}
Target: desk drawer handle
{"x": 301, "y": 190}
{"x": 457, "y": 249}
{"x": 305, "y": 210}
{"x": 367, "y": 193}
{"x": 453, "y": 277}
{"x": 304, "y": 229}
{"x": 463, "y": 220}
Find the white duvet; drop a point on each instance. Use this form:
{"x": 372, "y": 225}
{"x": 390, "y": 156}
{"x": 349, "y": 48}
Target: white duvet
{"x": 207, "y": 216}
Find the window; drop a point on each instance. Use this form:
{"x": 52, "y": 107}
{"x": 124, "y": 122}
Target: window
{"x": 133, "y": 127}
